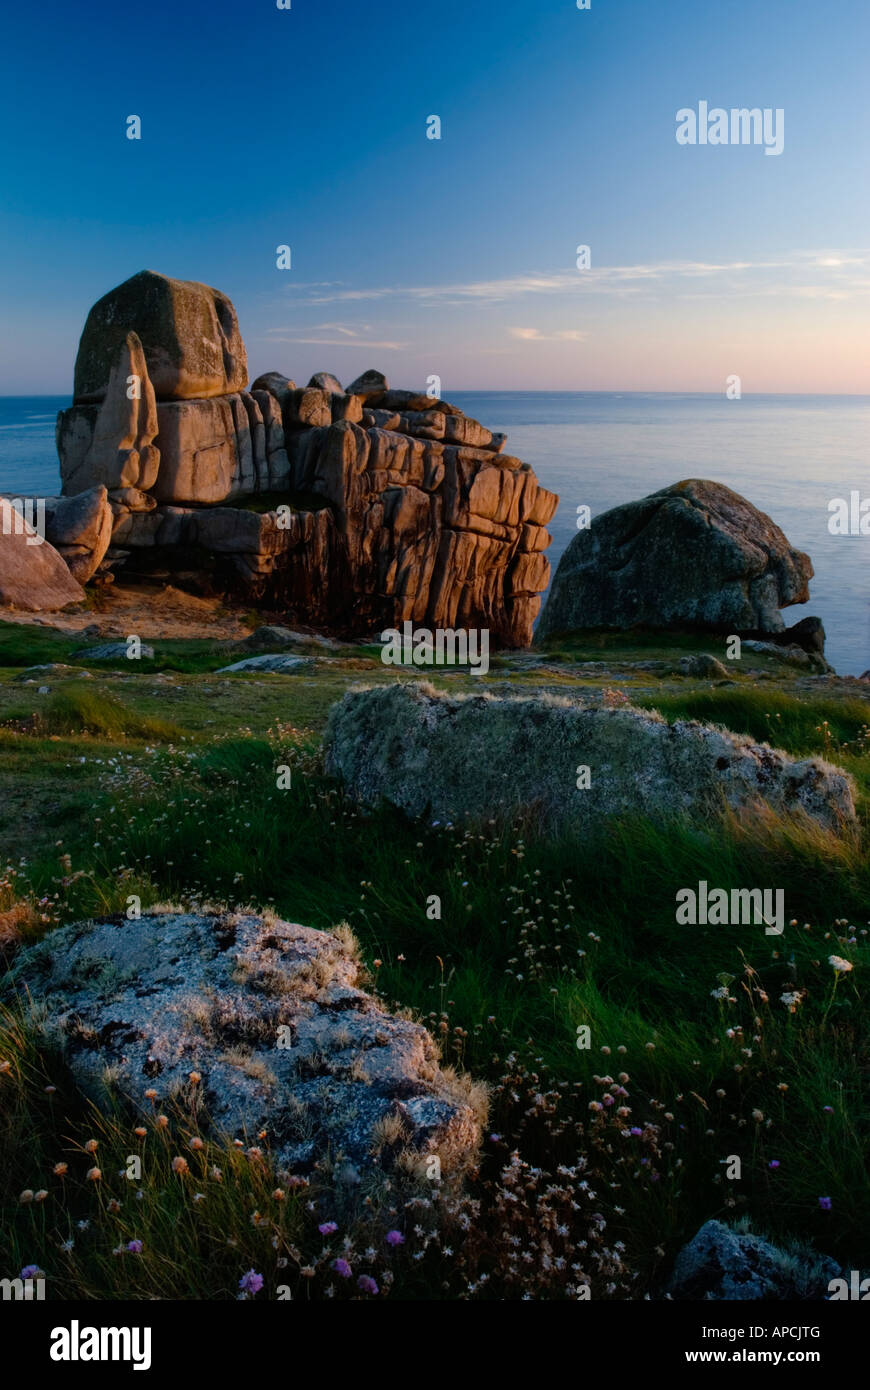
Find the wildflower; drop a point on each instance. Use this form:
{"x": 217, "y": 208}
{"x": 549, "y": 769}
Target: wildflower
{"x": 367, "y": 1284}
{"x": 842, "y": 967}
{"x": 83, "y": 1225}
{"x": 251, "y": 1282}
{"x": 196, "y": 1143}
{"x": 394, "y": 1238}
{"x": 774, "y": 1163}
{"x": 757, "y": 1116}
{"x": 114, "y": 1206}
{"x": 140, "y": 1131}
{"x": 91, "y": 1146}
{"x": 199, "y": 1196}
{"x": 791, "y": 999}
{"x": 150, "y": 1094}
{"x": 30, "y": 1272}
{"x": 215, "y": 1172}
{"x": 49, "y": 1090}
{"x": 179, "y": 1165}
{"x": 93, "y": 1175}
{"x": 60, "y": 1170}
{"x": 194, "y": 1078}
{"x": 825, "y": 1203}
{"x": 278, "y": 1194}
{"x": 67, "y": 1246}
{"x": 5, "y": 1066}
{"x": 134, "y": 1247}
{"x": 342, "y": 1268}
{"x": 328, "y": 1228}
{"x": 162, "y": 1122}
{"x": 27, "y": 1195}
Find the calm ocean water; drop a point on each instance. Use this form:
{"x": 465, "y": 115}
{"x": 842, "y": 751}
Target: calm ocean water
{"x": 789, "y": 455}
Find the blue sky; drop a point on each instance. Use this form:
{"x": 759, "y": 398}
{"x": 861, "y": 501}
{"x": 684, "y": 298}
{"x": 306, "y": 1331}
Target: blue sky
{"x": 307, "y": 127}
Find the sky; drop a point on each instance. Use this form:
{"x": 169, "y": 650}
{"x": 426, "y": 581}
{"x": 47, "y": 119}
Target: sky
{"x": 307, "y": 127}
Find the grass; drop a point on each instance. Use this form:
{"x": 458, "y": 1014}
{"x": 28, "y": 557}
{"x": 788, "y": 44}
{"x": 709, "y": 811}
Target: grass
{"x": 532, "y": 940}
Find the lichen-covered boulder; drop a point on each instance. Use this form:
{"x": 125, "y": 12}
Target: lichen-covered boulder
{"x": 273, "y": 1018}
{"x": 695, "y": 555}
{"x": 447, "y": 757}
{"x": 189, "y": 332}
{"x": 725, "y": 1265}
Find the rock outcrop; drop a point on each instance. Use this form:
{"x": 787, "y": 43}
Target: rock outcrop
{"x": 272, "y": 1017}
{"x": 724, "y": 1265}
{"x": 451, "y": 757}
{"x": 33, "y": 576}
{"x": 361, "y": 508}
{"x": 695, "y": 555}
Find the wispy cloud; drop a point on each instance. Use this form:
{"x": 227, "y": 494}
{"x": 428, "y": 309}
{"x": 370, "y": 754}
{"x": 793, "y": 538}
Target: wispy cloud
{"x": 838, "y": 272}
{"x": 351, "y": 337}
{"x": 534, "y": 335}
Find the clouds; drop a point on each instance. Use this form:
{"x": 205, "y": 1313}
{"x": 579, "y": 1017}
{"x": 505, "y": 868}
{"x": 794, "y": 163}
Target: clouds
{"x": 830, "y": 272}
{"x": 534, "y": 335}
{"x": 349, "y": 337}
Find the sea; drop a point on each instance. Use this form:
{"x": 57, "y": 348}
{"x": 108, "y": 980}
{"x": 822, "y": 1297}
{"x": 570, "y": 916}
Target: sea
{"x": 789, "y": 455}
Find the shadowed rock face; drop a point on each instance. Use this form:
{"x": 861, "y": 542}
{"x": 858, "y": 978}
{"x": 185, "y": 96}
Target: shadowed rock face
{"x": 446, "y": 758}
{"x": 694, "y": 555}
{"x": 727, "y": 1265}
{"x": 271, "y": 1016}
{"x": 189, "y": 332}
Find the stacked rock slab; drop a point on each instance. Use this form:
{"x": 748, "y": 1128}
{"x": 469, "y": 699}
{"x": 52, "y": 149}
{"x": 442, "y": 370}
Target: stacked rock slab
{"x": 386, "y": 506}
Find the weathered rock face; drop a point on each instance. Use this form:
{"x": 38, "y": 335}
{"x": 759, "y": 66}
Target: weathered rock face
{"x": 189, "y": 333}
{"x": 272, "y": 1017}
{"x": 33, "y": 576}
{"x": 112, "y": 443}
{"x": 80, "y": 528}
{"x": 727, "y": 1265}
{"x": 693, "y": 555}
{"x": 387, "y": 506}
{"x": 447, "y": 758}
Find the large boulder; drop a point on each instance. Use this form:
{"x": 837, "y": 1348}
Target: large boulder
{"x": 270, "y": 1014}
{"x": 189, "y": 332}
{"x": 695, "y": 555}
{"x": 112, "y": 443}
{"x": 33, "y": 576}
{"x": 449, "y": 757}
{"x": 721, "y": 1264}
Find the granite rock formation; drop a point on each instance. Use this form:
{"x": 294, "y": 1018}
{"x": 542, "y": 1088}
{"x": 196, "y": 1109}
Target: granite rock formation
{"x": 351, "y": 509}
